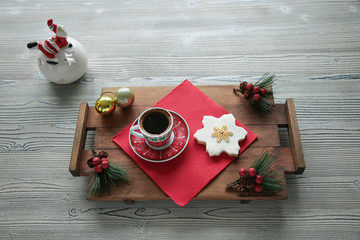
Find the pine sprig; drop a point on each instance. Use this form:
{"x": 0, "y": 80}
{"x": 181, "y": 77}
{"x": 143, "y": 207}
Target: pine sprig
{"x": 100, "y": 183}
{"x": 272, "y": 184}
{"x": 262, "y": 165}
{"x": 258, "y": 177}
{"x": 263, "y": 105}
{"x": 265, "y": 81}
{"x": 259, "y": 93}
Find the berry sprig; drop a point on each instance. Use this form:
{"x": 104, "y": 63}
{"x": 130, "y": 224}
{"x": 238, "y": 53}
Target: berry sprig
{"x": 255, "y": 179}
{"x": 106, "y": 173}
{"x": 258, "y": 93}
{"x": 249, "y": 179}
{"x": 258, "y": 177}
{"x": 100, "y": 164}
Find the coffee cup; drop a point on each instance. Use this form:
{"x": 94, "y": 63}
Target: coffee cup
{"x": 155, "y": 125}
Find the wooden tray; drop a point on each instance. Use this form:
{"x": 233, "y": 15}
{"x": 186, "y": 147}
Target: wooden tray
{"x": 289, "y": 159}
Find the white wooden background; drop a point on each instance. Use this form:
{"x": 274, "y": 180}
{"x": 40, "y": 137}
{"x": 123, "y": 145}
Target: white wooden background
{"x": 313, "y": 47}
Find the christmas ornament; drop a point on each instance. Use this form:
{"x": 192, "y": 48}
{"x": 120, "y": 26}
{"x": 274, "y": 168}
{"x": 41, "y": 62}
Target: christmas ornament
{"x": 242, "y": 172}
{"x": 61, "y": 59}
{"x": 105, "y": 105}
{"x": 98, "y": 169}
{"x": 258, "y": 93}
{"x": 258, "y": 177}
{"x": 124, "y": 97}
{"x": 106, "y": 174}
{"x": 249, "y": 87}
{"x": 252, "y": 172}
{"x": 258, "y": 188}
{"x": 256, "y": 97}
{"x": 96, "y": 161}
{"x": 105, "y": 163}
{"x": 256, "y": 90}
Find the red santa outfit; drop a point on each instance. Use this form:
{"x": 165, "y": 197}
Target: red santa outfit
{"x": 51, "y": 46}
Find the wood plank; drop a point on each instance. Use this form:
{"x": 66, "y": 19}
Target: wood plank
{"x": 245, "y": 114}
{"x": 216, "y": 190}
{"x": 295, "y": 139}
{"x": 79, "y": 139}
{"x": 268, "y": 135}
{"x": 143, "y": 188}
{"x": 146, "y": 97}
{"x": 283, "y": 155}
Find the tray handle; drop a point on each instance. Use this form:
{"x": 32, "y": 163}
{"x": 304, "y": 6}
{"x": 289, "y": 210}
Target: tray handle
{"x": 79, "y": 139}
{"x": 294, "y": 137}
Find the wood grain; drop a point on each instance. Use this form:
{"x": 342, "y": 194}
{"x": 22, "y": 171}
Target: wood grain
{"x": 79, "y": 139}
{"x": 294, "y": 135}
{"x": 312, "y": 47}
{"x": 142, "y": 188}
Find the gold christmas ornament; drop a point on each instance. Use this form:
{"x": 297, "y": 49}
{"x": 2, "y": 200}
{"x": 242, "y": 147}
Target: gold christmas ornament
{"x": 105, "y": 105}
{"x": 124, "y": 97}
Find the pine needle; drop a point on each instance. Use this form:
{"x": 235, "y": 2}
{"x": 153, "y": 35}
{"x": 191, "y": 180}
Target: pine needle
{"x": 262, "y": 165}
{"x": 265, "y": 81}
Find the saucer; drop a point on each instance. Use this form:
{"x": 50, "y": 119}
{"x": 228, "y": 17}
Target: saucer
{"x": 181, "y": 138}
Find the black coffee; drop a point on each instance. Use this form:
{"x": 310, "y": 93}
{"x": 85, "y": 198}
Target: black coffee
{"x": 155, "y": 123}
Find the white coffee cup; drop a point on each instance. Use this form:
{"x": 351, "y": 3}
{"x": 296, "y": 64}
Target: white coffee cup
{"x": 156, "y": 127}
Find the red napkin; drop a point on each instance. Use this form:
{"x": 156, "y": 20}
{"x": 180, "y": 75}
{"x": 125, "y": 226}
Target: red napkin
{"x": 185, "y": 176}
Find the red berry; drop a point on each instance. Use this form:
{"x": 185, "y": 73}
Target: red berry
{"x": 98, "y": 168}
{"x": 103, "y": 159}
{"x": 256, "y": 97}
{"x": 263, "y": 91}
{"x": 258, "y": 188}
{"x": 256, "y": 90}
{"x": 252, "y": 172}
{"x": 249, "y": 87}
{"x": 242, "y": 172}
{"x": 96, "y": 161}
{"x": 105, "y": 164}
{"x": 259, "y": 179}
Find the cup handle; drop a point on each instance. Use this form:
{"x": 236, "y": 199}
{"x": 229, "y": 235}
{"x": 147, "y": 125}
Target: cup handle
{"x": 136, "y": 134}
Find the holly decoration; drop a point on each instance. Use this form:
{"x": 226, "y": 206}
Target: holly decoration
{"x": 106, "y": 174}
{"x": 258, "y": 177}
{"x": 258, "y": 93}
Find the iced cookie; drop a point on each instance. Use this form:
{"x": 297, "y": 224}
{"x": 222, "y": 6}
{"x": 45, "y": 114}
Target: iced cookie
{"x": 220, "y": 135}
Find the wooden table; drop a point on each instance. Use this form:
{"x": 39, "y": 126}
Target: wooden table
{"x": 289, "y": 159}
{"x": 312, "y": 47}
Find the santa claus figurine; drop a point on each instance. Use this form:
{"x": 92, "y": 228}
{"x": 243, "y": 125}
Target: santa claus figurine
{"x": 51, "y": 46}
{"x": 62, "y": 59}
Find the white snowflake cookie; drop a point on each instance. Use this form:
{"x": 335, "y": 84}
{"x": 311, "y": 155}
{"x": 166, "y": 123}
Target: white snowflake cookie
{"x": 220, "y": 135}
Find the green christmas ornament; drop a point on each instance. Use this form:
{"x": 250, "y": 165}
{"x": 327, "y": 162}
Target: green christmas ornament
{"x": 124, "y": 97}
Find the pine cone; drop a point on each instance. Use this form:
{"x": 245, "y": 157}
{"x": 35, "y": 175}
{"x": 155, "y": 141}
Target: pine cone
{"x": 244, "y": 191}
{"x": 90, "y": 163}
{"x": 247, "y": 95}
{"x": 103, "y": 154}
{"x": 243, "y": 86}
